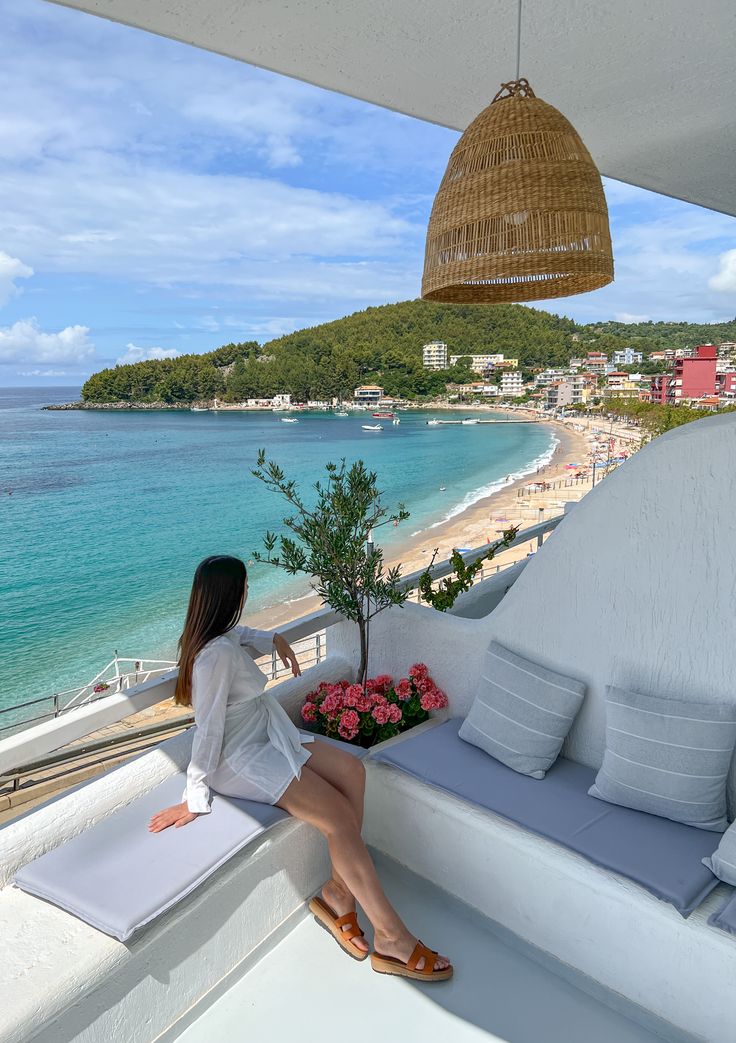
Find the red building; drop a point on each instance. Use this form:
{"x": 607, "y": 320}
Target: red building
{"x": 691, "y": 378}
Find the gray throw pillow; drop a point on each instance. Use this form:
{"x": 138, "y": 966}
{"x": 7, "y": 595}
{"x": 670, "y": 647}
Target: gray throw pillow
{"x": 723, "y": 860}
{"x": 522, "y": 712}
{"x": 667, "y": 757}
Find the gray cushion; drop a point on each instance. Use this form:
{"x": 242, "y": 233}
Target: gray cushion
{"x": 117, "y": 876}
{"x": 662, "y": 856}
{"x": 725, "y": 917}
{"x": 522, "y": 712}
{"x": 723, "y": 861}
{"x": 667, "y": 757}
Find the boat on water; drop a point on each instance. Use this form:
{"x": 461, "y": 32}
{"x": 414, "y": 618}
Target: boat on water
{"x": 433, "y": 423}
{"x": 386, "y": 415}
{"x": 372, "y": 427}
{"x": 342, "y": 413}
{"x": 395, "y": 421}
{"x": 288, "y": 420}
{"x": 469, "y": 420}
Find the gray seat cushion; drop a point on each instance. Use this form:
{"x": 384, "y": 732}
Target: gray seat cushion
{"x": 117, "y": 876}
{"x": 522, "y": 711}
{"x": 660, "y": 855}
{"x": 725, "y": 917}
{"x": 667, "y": 757}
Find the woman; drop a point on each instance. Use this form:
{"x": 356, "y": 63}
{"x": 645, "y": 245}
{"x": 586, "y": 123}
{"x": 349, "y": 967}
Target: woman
{"x": 245, "y": 745}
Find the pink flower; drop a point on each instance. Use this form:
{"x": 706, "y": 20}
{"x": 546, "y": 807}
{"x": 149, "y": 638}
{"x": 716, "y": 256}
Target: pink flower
{"x": 395, "y": 713}
{"x": 403, "y": 689}
{"x": 419, "y": 671}
{"x": 383, "y": 682}
{"x": 378, "y": 700}
{"x": 364, "y": 703}
{"x": 352, "y": 695}
{"x": 434, "y": 699}
{"x": 331, "y": 704}
{"x": 309, "y": 711}
{"x": 381, "y": 713}
{"x": 349, "y": 723}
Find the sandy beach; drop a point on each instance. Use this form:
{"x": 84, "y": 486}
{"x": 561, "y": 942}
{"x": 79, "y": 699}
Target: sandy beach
{"x": 483, "y": 521}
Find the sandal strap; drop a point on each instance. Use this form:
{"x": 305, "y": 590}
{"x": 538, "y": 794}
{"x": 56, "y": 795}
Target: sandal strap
{"x": 349, "y": 920}
{"x": 429, "y": 958}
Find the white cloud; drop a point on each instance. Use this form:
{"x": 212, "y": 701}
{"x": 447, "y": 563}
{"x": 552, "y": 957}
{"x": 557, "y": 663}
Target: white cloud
{"x": 724, "y": 281}
{"x": 25, "y": 341}
{"x": 42, "y": 373}
{"x": 10, "y": 270}
{"x": 625, "y": 316}
{"x": 135, "y": 354}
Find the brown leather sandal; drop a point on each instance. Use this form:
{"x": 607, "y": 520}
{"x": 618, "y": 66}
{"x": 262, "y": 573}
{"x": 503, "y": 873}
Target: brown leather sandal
{"x": 390, "y": 965}
{"x": 327, "y": 917}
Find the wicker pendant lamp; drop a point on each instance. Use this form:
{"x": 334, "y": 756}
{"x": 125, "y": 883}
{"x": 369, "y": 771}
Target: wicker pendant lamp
{"x": 520, "y": 214}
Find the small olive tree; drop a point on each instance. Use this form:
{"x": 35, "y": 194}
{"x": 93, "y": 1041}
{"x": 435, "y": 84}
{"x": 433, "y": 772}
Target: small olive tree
{"x": 332, "y": 543}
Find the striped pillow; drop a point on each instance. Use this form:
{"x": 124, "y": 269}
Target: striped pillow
{"x": 722, "y": 863}
{"x": 522, "y": 712}
{"x": 667, "y": 757}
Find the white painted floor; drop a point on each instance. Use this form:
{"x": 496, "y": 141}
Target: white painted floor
{"x": 306, "y": 989}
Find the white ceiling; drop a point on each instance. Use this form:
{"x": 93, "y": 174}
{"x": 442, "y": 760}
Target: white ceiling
{"x": 650, "y": 85}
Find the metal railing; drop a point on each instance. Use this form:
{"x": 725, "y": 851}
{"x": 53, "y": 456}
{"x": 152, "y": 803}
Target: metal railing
{"x": 101, "y": 686}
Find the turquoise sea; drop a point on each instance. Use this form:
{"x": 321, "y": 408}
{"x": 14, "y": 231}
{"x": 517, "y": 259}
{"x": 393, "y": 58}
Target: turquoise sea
{"x": 105, "y": 515}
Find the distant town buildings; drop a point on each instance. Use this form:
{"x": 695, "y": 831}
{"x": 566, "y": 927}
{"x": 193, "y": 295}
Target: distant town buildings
{"x": 479, "y": 363}
{"x": 572, "y": 390}
{"x": 434, "y": 355}
{"x": 627, "y": 357}
{"x": 368, "y": 394}
{"x": 279, "y": 401}
{"x": 696, "y": 379}
{"x": 512, "y": 385}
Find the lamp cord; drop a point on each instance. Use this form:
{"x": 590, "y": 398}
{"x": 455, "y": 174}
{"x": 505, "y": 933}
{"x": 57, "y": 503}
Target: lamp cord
{"x": 518, "y": 39}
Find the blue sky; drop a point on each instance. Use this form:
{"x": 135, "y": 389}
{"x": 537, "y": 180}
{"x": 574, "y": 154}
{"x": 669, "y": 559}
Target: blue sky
{"x": 157, "y": 200}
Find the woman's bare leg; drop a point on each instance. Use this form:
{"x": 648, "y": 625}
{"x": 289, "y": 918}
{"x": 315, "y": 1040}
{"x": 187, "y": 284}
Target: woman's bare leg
{"x": 346, "y": 773}
{"x": 312, "y": 799}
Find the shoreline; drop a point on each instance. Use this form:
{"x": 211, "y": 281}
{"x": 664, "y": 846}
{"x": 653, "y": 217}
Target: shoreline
{"x": 474, "y": 525}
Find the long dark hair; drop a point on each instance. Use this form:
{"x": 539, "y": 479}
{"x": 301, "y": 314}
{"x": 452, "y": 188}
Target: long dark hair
{"x": 215, "y": 604}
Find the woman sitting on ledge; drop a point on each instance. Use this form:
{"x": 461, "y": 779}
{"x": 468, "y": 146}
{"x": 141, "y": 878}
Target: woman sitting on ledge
{"x": 245, "y": 745}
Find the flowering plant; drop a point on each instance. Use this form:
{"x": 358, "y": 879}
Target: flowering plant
{"x": 101, "y": 687}
{"x": 384, "y": 709}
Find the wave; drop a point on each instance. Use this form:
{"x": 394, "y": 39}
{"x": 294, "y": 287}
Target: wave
{"x": 484, "y": 491}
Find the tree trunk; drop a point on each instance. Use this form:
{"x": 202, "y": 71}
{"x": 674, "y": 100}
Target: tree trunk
{"x": 363, "y": 670}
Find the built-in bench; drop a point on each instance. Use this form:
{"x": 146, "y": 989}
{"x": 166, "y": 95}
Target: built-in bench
{"x": 664, "y": 857}
{"x": 194, "y": 904}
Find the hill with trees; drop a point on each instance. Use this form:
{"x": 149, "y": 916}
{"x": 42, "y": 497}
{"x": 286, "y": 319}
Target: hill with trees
{"x": 383, "y": 345}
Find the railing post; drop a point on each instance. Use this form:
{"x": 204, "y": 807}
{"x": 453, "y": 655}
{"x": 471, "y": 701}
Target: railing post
{"x": 318, "y": 640}
{"x": 273, "y": 665}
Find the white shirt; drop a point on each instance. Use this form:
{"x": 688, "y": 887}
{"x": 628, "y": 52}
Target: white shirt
{"x": 224, "y": 678}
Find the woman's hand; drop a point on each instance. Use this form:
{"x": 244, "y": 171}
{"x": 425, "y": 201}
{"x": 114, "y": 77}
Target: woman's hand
{"x": 176, "y": 815}
{"x": 286, "y": 654}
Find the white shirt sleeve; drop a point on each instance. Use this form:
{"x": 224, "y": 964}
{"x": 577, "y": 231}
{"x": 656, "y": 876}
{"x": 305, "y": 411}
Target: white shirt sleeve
{"x": 261, "y": 640}
{"x": 212, "y": 676}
